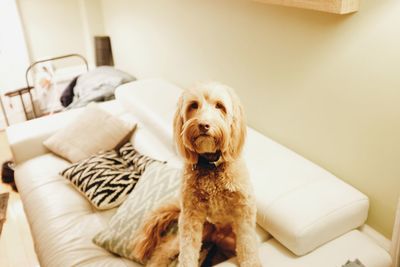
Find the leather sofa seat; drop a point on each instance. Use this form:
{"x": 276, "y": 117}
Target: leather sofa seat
{"x": 62, "y": 221}
{"x": 350, "y": 246}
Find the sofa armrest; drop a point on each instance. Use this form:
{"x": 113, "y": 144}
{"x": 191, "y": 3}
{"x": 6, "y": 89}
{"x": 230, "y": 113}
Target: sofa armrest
{"x": 26, "y": 139}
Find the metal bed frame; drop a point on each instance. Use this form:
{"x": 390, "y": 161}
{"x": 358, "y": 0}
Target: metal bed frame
{"x": 21, "y": 91}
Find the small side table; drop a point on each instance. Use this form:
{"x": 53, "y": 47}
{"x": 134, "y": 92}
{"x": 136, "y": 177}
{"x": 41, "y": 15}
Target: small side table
{"x": 20, "y": 92}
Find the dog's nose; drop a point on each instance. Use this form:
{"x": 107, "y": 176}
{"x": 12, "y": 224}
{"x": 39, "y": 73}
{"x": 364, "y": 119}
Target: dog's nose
{"x": 204, "y": 127}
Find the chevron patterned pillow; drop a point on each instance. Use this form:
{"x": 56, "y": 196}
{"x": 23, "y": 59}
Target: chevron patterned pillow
{"x": 134, "y": 159}
{"x": 158, "y": 183}
{"x": 105, "y": 179}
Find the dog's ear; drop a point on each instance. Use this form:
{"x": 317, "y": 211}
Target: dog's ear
{"x": 238, "y": 129}
{"x": 188, "y": 155}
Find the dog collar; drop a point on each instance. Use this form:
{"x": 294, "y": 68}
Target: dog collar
{"x": 208, "y": 161}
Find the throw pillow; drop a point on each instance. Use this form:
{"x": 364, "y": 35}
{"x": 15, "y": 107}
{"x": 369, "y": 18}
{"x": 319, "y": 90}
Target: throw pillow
{"x": 158, "y": 183}
{"x": 138, "y": 161}
{"x": 104, "y": 179}
{"x": 94, "y": 130}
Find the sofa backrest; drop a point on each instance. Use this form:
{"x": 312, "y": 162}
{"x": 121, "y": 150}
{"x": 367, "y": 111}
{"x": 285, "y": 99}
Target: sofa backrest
{"x": 302, "y": 205}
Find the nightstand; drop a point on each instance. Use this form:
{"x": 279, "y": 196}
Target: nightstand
{"x": 20, "y": 92}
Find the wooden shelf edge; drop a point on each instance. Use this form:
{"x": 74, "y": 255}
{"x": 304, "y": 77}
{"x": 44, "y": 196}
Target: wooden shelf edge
{"x": 330, "y": 6}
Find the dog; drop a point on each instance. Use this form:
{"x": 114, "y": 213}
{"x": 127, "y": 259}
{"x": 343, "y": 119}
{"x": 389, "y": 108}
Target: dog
{"x": 216, "y": 194}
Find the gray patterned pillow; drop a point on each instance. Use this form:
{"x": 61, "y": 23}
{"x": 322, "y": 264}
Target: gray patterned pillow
{"x": 158, "y": 183}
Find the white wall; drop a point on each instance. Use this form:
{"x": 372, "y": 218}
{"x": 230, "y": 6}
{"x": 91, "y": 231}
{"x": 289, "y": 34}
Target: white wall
{"x": 92, "y": 22}
{"x": 13, "y": 59}
{"x": 326, "y": 86}
{"x": 13, "y": 50}
{"x": 52, "y": 28}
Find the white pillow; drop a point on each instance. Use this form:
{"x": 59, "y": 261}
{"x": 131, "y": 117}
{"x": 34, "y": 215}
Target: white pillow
{"x": 93, "y": 131}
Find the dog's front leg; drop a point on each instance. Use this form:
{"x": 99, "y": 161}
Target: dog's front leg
{"x": 191, "y": 223}
{"x": 246, "y": 242}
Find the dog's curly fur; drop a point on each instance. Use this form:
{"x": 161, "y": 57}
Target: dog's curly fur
{"x": 157, "y": 246}
{"x": 209, "y": 126}
{"x": 222, "y": 195}
{"x": 151, "y": 237}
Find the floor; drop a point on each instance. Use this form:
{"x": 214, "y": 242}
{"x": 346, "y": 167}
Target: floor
{"x": 16, "y": 245}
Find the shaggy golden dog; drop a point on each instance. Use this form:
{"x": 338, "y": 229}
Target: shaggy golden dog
{"x": 216, "y": 199}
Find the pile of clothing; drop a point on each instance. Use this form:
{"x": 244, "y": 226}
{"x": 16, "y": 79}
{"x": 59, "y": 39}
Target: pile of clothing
{"x": 94, "y": 86}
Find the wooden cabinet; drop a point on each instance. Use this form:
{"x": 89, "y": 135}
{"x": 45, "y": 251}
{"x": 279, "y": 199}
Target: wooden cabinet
{"x": 331, "y": 6}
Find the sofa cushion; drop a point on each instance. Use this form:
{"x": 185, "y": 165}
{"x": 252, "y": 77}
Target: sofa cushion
{"x": 93, "y": 131}
{"x": 159, "y": 183}
{"x": 350, "y": 246}
{"x": 155, "y": 113}
{"x": 146, "y": 142}
{"x": 302, "y": 205}
{"x": 62, "y": 222}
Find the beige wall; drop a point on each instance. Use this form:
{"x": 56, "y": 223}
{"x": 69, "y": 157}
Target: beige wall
{"x": 13, "y": 61}
{"x": 55, "y": 28}
{"x": 92, "y": 18}
{"x": 326, "y": 86}
{"x": 13, "y": 51}
{"x": 52, "y": 28}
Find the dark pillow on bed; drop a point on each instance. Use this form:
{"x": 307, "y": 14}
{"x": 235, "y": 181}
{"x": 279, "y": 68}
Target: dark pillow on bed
{"x": 68, "y": 93}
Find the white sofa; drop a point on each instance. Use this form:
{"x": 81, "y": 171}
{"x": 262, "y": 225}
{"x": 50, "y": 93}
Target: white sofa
{"x": 307, "y": 217}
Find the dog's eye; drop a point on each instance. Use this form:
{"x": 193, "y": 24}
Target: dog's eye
{"x": 194, "y": 105}
{"x": 220, "y": 106}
